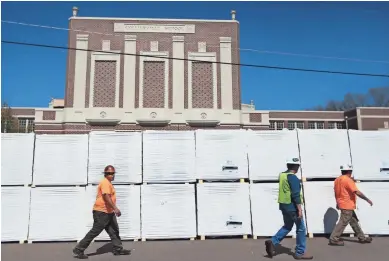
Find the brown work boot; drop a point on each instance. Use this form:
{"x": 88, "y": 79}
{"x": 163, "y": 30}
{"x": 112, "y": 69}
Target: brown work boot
{"x": 365, "y": 240}
{"x": 305, "y": 256}
{"x": 270, "y": 249}
{"x": 336, "y": 242}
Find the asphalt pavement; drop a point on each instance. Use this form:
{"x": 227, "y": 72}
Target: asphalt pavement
{"x": 208, "y": 250}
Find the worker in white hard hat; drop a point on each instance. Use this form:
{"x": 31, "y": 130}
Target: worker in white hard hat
{"x": 345, "y": 194}
{"x": 290, "y": 203}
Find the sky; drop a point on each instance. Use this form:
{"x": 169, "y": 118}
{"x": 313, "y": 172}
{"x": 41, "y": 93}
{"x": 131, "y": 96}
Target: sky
{"x": 31, "y": 76}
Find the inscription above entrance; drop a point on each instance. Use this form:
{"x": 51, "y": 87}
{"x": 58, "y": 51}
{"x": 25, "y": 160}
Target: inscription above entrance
{"x": 154, "y": 28}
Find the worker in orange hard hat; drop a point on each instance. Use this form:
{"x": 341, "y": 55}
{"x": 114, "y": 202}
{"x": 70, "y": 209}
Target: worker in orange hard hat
{"x": 105, "y": 212}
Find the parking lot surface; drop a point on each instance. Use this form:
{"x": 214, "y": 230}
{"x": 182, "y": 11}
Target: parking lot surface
{"x": 208, "y": 250}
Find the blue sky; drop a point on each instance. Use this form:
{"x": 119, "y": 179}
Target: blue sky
{"x": 30, "y": 76}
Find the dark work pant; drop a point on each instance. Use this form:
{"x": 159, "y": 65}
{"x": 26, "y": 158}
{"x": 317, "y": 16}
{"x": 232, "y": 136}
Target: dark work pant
{"x": 347, "y": 217}
{"x": 102, "y": 221}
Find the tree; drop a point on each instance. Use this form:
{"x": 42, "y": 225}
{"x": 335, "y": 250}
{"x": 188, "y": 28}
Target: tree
{"x": 8, "y": 122}
{"x": 375, "y": 97}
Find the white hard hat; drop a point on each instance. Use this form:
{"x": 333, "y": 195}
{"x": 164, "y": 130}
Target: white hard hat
{"x": 294, "y": 161}
{"x": 346, "y": 167}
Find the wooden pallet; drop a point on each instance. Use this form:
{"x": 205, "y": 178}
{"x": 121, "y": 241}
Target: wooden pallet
{"x": 313, "y": 235}
{"x": 166, "y": 239}
{"x": 262, "y": 237}
{"x": 222, "y": 237}
{"x": 151, "y": 183}
{"x": 201, "y": 181}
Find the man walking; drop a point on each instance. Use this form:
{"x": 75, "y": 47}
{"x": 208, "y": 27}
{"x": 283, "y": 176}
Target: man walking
{"x": 104, "y": 217}
{"x": 345, "y": 194}
{"x": 290, "y": 203}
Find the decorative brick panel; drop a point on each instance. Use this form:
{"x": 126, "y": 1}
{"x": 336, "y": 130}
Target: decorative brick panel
{"x": 104, "y": 84}
{"x": 373, "y": 123}
{"x": 41, "y": 127}
{"x": 154, "y": 84}
{"x": 306, "y": 115}
{"x": 16, "y": 112}
{"x": 49, "y": 115}
{"x": 255, "y": 117}
{"x": 208, "y": 32}
{"x": 202, "y": 85}
{"x": 374, "y": 112}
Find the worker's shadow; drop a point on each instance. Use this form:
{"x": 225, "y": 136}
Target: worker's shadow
{"x": 106, "y": 248}
{"x": 281, "y": 250}
{"x": 329, "y": 221}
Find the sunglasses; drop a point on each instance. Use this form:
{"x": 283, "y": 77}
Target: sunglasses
{"x": 109, "y": 173}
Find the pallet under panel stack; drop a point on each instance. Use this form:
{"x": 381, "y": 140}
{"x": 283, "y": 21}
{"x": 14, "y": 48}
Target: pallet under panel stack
{"x": 223, "y": 201}
{"x": 168, "y": 203}
{"x": 186, "y": 184}
{"x": 268, "y": 152}
{"x": 322, "y": 152}
{"x": 370, "y": 157}
{"x": 17, "y": 155}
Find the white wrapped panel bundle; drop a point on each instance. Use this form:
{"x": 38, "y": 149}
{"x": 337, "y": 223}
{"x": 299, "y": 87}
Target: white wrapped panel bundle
{"x": 221, "y": 154}
{"x": 374, "y": 219}
{"x": 223, "y": 209}
{"x": 15, "y": 213}
{"x": 168, "y": 156}
{"x": 123, "y": 150}
{"x": 17, "y": 152}
{"x": 322, "y": 152}
{"x": 268, "y": 152}
{"x": 128, "y": 201}
{"x": 320, "y": 205}
{"x": 61, "y": 159}
{"x": 168, "y": 211}
{"x": 57, "y": 213}
{"x": 266, "y": 215}
{"x": 370, "y": 153}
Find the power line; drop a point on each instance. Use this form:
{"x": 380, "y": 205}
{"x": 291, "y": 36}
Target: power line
{"x": 217, "y": 46}
{"x": 193, "y": 60}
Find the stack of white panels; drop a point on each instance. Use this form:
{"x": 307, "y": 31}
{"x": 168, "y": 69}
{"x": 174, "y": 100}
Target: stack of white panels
{"x": 168, "y": 211}
{"x": 268, "y": 152}
{"x": 223, "y": 209}
{"x": 15, "y": 213}
{"x": 17, "y": 151}
{"x": 123, "y": 150}
{"x": 266, "y": 215}
{"x": 370, "y": 152}
{"x": 128, "y": 201}
{"x": 57, "y": 213}
{"x": 168, "y": 156}
{"x": 321, "y": 209}
{"x": 221, "y": 154}
{"x": 323, "y": 152}
{"x": 374, "y": 219}
{"x": 61, "y": 159}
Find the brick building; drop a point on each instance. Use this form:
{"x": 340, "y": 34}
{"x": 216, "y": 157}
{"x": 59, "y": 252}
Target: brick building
{"x": 108, "y": 90}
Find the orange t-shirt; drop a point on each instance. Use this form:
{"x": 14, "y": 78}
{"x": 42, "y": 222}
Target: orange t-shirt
{"x": 345, "y": 189}
{"x": 105, "y": 187}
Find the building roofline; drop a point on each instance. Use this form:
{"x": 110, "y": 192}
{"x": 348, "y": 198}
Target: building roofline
{"x": 373, "y": 108}
{"x": 153, "y": 19}
{"x": 305, "y": 111}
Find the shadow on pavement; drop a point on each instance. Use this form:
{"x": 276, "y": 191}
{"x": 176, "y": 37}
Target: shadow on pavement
{"x": 107, "y": 248}
{"x": 329, "y": 220}
{"x": 281, "y": 250}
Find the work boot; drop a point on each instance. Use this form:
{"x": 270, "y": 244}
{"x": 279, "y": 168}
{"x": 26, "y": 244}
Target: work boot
{"x": 79, "y": 254}
{"x": 339, "y": 242}
{"x": 305, "y": 256}
{"x": 365, "y": 240}
{"x": 270, "y": 249}
{"x": 122, "y": 252}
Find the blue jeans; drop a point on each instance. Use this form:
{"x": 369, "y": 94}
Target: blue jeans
{"x": 291, "y": 218}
